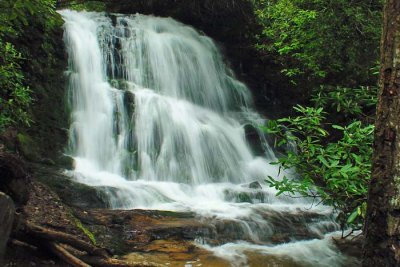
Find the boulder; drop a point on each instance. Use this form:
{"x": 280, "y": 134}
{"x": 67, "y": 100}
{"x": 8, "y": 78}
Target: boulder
{"x": 7, "y": 210}
{"x": 255, "y": 185}
{"x": 69, "y": 190}
{"x": 65, "y": 162}
{"x": 14, "y": 179}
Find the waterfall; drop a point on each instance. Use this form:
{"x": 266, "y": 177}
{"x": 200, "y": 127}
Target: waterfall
{"x": 158, "y": 119}
{"x": 152, "y": 99}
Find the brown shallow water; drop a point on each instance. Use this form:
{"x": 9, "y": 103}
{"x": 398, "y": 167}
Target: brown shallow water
{"x": 186, "y": 254}
{"x": 176, "y": 253}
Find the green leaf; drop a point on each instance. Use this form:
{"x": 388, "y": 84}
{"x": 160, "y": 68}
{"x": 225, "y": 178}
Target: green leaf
{"x": 353, "y": 216}
{"x": 337, "y": 127}
{"x": 323, "y": 160}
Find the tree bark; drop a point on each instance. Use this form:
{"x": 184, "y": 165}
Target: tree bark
{"x": 382, "y": 228}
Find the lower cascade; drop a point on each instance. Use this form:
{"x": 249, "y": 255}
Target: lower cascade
{"x": 158, "y": 122}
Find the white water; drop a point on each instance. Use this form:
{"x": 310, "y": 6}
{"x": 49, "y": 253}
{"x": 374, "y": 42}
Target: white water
{"x": 158, "y": 119}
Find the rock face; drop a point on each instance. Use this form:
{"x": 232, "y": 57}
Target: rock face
{"x": 7, "y": 211}
{"x": 44, "y": 74}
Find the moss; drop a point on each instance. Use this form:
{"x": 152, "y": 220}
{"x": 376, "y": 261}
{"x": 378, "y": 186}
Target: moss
{"x": 244, "y": 197}
{"x": 27, "y": 147}
{"x": 86, "y": 231}
{"x": 65, "y": 162}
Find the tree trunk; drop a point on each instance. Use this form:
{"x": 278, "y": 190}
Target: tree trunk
{"x": 382, "y": 228}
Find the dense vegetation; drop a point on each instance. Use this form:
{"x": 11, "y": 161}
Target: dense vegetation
{"x": 328, "y": 49}
{"x": 322, "y": 41}
{"x": 15, "y": 20}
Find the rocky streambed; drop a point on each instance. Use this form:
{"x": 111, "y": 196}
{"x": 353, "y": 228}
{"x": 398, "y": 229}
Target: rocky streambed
{"x": 143, "y": 237}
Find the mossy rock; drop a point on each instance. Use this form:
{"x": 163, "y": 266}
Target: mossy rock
{"x": 255, "y": 185}
{"x": 129, "y": 102}
{"x": 256, "y": 196}
{"x": 28, "y": 147}
{"x": 65, "y": 162}
{"x": 71, "y": 192}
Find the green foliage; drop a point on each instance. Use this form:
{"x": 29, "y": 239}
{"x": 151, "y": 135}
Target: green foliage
{"x": 353, "y": 102}
{"x": 321, "y": 40}
{"x": 16, "y": 16}
{"x": 336, "y": 171}
{"x": 15, "y": 97}
{"x": 98, "y": 6}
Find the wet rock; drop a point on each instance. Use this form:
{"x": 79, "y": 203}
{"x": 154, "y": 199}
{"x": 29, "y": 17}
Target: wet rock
{"x": 65, "y": 162}
{"x": 129, "y": 102}
{"x": 14, "y": 179}
{"x": 119, "y": 83}
{"x": 7, "y": 211}
{"x": 270, "y": 227}
{"x": 122, "y": 230}
{"x": 246, "y": 196}
{"x": 255, "y": 185}
{"x": 48, "y": 162}
{"x": 70, "y": 191}
{"x": 255, "y": 258}
{"x": 253, "y": 136}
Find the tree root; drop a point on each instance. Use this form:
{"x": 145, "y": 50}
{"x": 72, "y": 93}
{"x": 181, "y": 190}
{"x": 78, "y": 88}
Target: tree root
{"x": 66, "y": 256}
{"x": 60, "y": 237}
{"x": 70, "y": 249}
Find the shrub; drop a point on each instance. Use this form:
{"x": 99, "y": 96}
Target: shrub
{"x": 336, "y": 172}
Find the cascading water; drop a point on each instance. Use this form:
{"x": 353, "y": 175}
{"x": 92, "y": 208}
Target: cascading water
{"x": 158, "y": 121}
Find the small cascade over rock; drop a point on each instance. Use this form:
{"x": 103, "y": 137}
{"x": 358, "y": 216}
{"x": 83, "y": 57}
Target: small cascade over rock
{"x": 158, "y": 122}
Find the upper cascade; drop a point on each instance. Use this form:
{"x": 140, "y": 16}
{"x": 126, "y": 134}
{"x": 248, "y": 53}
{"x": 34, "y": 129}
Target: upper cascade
{"x": 152, "y": 99}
